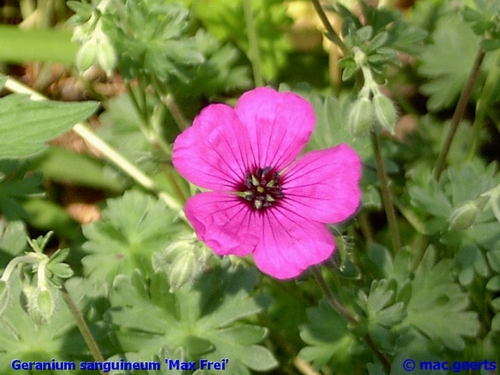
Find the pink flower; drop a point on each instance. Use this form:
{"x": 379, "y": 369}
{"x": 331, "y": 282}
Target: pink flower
{"x": 263, "y": 200}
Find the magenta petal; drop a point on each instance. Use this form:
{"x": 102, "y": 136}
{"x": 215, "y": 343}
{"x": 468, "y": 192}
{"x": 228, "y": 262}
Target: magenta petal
{"x": 214, "y": 152}
{"x": 278, "y": 124}
{"x": 290, "y": 244}
{"x": 223, "y": 222}
{"x": 323, "y": 185}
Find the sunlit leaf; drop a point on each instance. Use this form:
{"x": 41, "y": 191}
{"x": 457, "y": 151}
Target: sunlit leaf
{"x": 26, "y": 125}
{"x": 203, "y": 319}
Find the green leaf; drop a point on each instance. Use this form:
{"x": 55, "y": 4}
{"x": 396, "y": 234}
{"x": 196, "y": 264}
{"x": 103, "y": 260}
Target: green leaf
{"x": 203, "y": 318}
{"x": 26, "y": 125}
{"x": 132, "y": 228}
{"x": 438, "y": 306}
{"x": 21, "y": 45}
{"x": 379, "y": 304}
{"x": 121, "y": 129}
{"x": 494, "y": 284}
{"x": 432, "y": 199}
{"x": 4, "y": 296}
{"x": 47, "y": 215}
{"x": 331, "y": 122}
{"x": 61, "y": 270}
{"x": 495, "y": 323}
{"x": 455, "y": 44}
{"x": 471, "y": 261}
{"x": 21, "y": 339}
{"x": 69, "y": 166}
{"x": 225, "y": 20}
{"x": 381, "y": 260}
{"x": 494, "y": 260}
{"x": 496, "y": 304}
{"x": 12, "y": 239}
{"x": 16, "y": 183}
{"x": 217, "y": 74}
{"x": 485, "y": 20}
{"x": 151, "y": 37}
{"x": 328, "y": 338}
{"x": 375, "y": 369}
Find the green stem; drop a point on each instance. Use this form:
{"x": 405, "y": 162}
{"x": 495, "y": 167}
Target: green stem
{"x": 364, "y": 226}
{"x": 330, "y": 297}
{"x": 348, "y": 315}
{"x": 483, "y": 105}
{"x": 169, "y": 101}
{"x": 390, "y": 212}
{"x": 175, "y": 111}
{"x": 114, "y": 156}
{"x": 26, "y": 259}
{"x": 135, "y": 102}
{"x": 458, "y": 114}
{"x": 83, "y": 327}
{"x": 142, "y": 125}
{"x": 329, "y": 28}
{"x": 253, "y": 41}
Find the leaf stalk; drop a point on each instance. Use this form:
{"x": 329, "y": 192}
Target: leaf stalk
{"x": 390, "y": 212}
{"x": 83, "y": 327}
{"x": 253, "y": 41}
{"x": 458, "y": 114}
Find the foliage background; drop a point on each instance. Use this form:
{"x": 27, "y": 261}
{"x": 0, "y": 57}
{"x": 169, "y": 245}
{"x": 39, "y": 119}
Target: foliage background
{"x": 139, "y": 71}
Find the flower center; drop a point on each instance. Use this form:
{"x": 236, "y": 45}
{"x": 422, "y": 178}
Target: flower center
{"x": 262, "y": 188}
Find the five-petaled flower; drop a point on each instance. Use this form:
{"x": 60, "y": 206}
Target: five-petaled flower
{"x": 264, "y": 199}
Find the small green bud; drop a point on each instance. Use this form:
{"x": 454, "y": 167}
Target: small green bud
{"x": 4, "y": 296}
{"x": 464, "y": 216}
{"x": 182, "y": 261}
{"x": 360, "y": 117}
{"x": 41, "y": 305}
{"x": 106, "y": 55}
{"x": 182, "y": 271}
{"x": 87, "y": 55}
{"x": 385, "y": 112}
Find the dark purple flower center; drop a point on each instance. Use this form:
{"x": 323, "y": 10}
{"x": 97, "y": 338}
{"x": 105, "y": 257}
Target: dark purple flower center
{"x": 262, "y": 188}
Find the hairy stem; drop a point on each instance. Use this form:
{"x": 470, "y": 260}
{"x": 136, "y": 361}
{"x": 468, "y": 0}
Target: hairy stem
{"x": 390, "y": 212}
{"x": 83, "y": 327}
{"x": 483, "y": 105}
{"x": 25, "y": 259}
{"x": 253, "y": 41}
{"x": 458, "y": 114}
{"x": 381, "y": 356}
{"x": 348, "y": 315}
{"x": 329, "y": 28}
{"x": 330, "y": 297}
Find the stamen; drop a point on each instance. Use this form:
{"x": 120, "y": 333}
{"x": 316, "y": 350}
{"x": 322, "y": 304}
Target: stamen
{"x": 262, "y": 188}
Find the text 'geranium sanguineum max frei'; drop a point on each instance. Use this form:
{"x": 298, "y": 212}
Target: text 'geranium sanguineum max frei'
{"x": 265, "y": 200}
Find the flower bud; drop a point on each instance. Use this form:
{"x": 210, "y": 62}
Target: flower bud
{"x": 182, "y": 261}
{"x": 182, "y": 271}
{"x": 385, "y": 112}
{"x": 87, "y": 55}
{"x": 464, "y": 216}
{"x": 4, "y": 296}
{"x": 360, "y": 117}
{"x": 106, "y": 55}
{"x": 41, "y": 305}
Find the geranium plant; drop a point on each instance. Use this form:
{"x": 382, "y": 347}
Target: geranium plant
{"x": 268, "y": 186}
